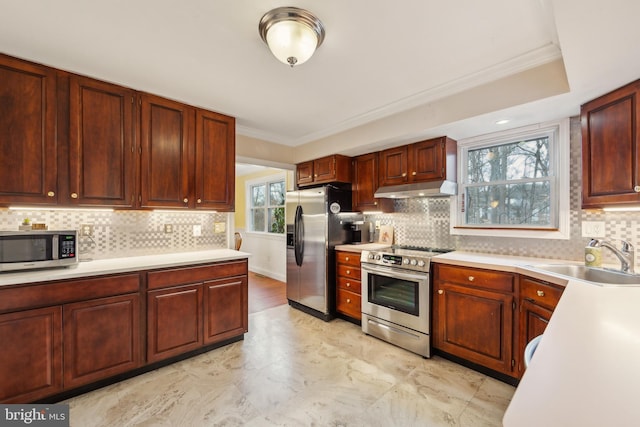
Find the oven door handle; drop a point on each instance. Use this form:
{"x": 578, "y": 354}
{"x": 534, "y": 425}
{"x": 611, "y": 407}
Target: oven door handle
{"x": 393, "y": 272}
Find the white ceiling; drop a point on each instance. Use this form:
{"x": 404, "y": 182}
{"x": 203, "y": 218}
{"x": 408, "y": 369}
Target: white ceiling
{"x": 379, "y": 58}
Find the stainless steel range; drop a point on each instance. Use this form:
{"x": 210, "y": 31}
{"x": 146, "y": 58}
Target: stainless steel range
{"x": 396, "y": 294}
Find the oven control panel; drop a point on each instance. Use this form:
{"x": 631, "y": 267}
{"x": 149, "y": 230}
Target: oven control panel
{"x": 416, "y": 263}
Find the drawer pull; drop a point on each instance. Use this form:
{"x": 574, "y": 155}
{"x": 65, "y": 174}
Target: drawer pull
{"x": 348, "y": 300}
{"x": 348, "y": 285}
{"x": 636, "y": 188}
{"x": 471, "y": 278}
{"x": 51, "y": 194}
{"x": 440, "y": 292}
{"x": 348, "y": 271}
{"x": 346, "y": 258}
{"x": 540, "y": 293}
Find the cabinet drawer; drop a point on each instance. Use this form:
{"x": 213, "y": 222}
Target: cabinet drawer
{"x": 350, "y": 258}
{"x": 541, "y": 293}
{"x": 348, "y": 284}
{"x": 487, "y": 279}
{"x": 179, "y": 276}
{"x": 349, "y": 271}
{"x": 48, "y": 294}
{"x": 349, "y": 304}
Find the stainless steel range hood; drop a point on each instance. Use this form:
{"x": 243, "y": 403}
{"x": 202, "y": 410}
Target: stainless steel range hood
{"x": 420, "y": 189}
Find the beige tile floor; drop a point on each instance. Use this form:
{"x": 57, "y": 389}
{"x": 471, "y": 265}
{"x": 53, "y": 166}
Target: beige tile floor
{"x": 295, "y": 370}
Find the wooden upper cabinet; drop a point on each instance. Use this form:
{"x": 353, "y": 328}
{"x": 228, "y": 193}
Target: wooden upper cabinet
{"x": 428, "y": 160}
{"x": 334, "y": 168}
{"x": 611, "y": 148}
{"x": 394, "y": 165}
{"x": 365, "y": 184}
{"x": 28, "y": 162}
{"x": 101, "y": 143}
{"x": 304, "y": 173}
{"x": 215, "y": 161}
{"x": 166, "y": 130}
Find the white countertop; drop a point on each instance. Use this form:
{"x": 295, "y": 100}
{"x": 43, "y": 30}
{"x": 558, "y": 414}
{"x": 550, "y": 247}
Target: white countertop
{"x": 586, "y": 369}
{"x": 121, "y": 265}
{"x": 362, "y": 247}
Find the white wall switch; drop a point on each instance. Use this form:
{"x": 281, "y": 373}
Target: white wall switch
{"x": 197, "y": 230}
{"x": 593, "y": 229}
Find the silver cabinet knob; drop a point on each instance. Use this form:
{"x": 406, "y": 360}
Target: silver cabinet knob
{"x": 185, "y": 200}
{"x": 51, "y": 194}
{"x": 471, "y": 278}
{"x": 540, "y": 293}
{"x": 74, "y": 195}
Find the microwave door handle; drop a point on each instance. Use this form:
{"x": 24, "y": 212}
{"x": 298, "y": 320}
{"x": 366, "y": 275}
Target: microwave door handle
{"x": 55, "y": 246}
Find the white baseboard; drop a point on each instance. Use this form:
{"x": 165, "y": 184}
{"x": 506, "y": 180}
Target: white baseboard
{"x": 268, "y": 273}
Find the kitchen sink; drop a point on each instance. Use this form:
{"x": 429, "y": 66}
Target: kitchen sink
{"x": 590, "y": 274}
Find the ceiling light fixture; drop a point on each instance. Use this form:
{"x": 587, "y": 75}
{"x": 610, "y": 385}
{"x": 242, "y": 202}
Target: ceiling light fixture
{"x": 502, "y": 122}
{"x": 292, "y": 34}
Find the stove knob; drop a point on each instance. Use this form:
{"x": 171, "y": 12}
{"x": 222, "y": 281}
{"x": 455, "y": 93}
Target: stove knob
{"x": 370, "y": 256}
{"x": 405, "y": 261}
{"x": 414, "y": 262}
{"x": 378, "y": 257}
{"x": 420, "y": 263}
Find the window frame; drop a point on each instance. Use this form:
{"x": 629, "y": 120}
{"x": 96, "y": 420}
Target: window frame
{"x": 559, "y": 159}
{"x": 266, "y": 181}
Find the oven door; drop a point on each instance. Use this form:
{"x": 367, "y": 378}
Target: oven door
{"x": 396, "y": 295}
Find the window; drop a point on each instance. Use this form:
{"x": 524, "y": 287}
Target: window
{"x": 266, "y": 206}
{"x": 514, "y": 183}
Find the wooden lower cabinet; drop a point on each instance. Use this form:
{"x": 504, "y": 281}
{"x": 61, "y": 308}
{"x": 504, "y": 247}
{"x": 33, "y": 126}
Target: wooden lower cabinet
{"x": 195, "y": 306}
{"x": 538, "y": 299}
{"x": 226, "y": 308}
{"x": 101, "y": 338}
{"x": 30, "y": 354}
{"x": 174, "y": 321}
{"x": 63, "y": 336}
{"x": 474, "y": 315}
{"x": 348, "y": 292}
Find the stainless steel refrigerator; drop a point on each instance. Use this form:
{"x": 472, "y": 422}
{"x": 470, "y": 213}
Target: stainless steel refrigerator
{"x": 313, "y": 230}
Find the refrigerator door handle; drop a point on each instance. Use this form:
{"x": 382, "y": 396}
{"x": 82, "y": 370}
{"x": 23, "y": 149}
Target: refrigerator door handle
{"x": 299, "y": 236}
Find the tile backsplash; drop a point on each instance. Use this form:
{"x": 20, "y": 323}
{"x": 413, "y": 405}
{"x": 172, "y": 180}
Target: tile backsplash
{"x": 425, "y": 222}
{"x": 128, "y": 233}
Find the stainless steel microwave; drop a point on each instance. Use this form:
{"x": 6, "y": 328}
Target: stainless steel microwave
{"x": 24, "y": 250}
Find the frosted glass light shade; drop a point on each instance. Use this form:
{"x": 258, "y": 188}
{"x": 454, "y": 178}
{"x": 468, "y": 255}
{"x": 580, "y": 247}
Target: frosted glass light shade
{"x": 292, "y": 34}
{"x": 291, "y": 42}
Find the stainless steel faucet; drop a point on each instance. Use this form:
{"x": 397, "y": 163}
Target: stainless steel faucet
{"x": 625, "y": 254}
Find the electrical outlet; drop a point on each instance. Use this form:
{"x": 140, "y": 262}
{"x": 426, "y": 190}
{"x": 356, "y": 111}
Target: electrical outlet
{"x": 219, "y": 227}
{"x": 168, "y": 228}
{"x": 593, "y": 229}
{"x": 378, "y": 225}
{"x": 197, "y": 230}
{"x": 86, "y": 230}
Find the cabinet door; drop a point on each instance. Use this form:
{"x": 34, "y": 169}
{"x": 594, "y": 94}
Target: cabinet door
{"x": 166, "y": 132}
{"x": 226, "y": 314}
{"x": 28, "y": 163}
{"x": 393, "y": 166}
{"x": 427, "y": 160}
{"x": 30, "y": 355}
{"x": 365, "y": 172}
{"x": 611, "y": 148}
{"x": 324, "y": 169}
{"x": 101, "y": 339}
{"x": 474, "y": 324}
{"x": 174, "y": 321}
{"x": 215, "y": 161}
{"x": 304, "y": 173}
{"x": 533, "y": 322}
{"x": 101, "y": 143}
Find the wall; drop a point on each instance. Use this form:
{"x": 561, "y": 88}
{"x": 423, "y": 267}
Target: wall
{"x": 425, "y": 222}
{"x": 268, "y": 251}
{"x": 129, "y": 233}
